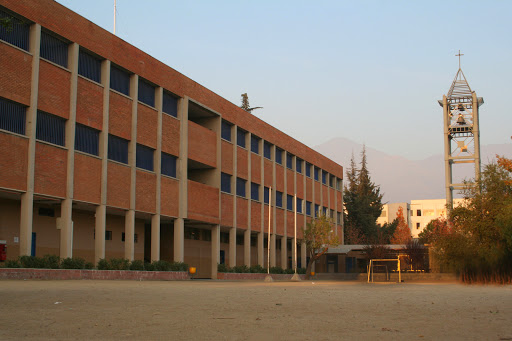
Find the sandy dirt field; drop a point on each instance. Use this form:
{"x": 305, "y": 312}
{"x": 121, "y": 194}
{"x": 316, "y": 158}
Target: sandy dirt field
{"x": 213, "y": 310}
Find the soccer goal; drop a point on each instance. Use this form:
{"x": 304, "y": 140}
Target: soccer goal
{"x": 384, "y": 266}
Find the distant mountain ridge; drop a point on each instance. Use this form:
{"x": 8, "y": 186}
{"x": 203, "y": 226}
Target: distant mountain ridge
{"x": 401, "y": 179}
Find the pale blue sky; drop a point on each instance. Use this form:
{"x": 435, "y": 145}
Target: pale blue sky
{"x": 369, "y": 71}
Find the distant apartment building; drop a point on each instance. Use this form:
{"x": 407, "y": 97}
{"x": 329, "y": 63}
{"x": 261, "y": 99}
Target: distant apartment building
{"x": 107, "y": 152}
{"x": 389, "y": 213}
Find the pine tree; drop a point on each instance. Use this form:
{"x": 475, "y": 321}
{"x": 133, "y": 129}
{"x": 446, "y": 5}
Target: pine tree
{"x": 402, "y": 233}
{"x": 363, "y": 204}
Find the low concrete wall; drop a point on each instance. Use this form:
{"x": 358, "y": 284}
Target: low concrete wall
{"x": 230, "y": 276}
{"x": 56, "y": 274}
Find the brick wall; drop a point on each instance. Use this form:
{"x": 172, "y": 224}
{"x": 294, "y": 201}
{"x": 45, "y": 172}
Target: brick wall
{"x": 16, "y": 74}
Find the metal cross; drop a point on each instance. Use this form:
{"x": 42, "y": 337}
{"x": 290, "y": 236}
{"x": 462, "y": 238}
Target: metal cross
{"x": 459, "y": 55}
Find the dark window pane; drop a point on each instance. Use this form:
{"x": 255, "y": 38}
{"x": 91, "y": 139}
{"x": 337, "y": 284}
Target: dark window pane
{"x": 54, "y": 49}
{"x": 240, "y": 137}
{"x": 169, "y": 164}
{"x": 86, "y": 139}
{"x": 279, "y": 156}
{"x": 289, "y": 160}
{"x": 50, "y": 128}
{"x": 117, "y": 149}
{"x": 317, "y": 208}
{"x": 308, "y": 207}
{"x": 316, "y": 171}
{"x": 267, "y": 150}
{"x": 266, "y": 192}
{"x": 89, "y": 66}
{"x": 289, "y": 202}
{"x": 18, "y": 34}
{"x": 279, "y": 199}
{"x": 298, "y": 165}
{"x": 146, "y": 93}
{"x": 240, "y": 187}
{"x": 12, "y": 116}
{"x": 255, "y": 191}
{"x": 308, "y": 169}
{"x": 324, "y": 177}
{"x": 170, "y": 104}
{"x": 225, "y": 182}
{"x": 255, "y": 144}
{"x": 299, "y": 205}
{"x": 119, "y": 80}
{"x": 226, "y": 130}
{"x": 331, "y": 180}
{"x": 144, "y": 157}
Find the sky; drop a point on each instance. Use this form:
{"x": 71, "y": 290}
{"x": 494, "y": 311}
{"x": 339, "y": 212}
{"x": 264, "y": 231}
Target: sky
{"x": 369, "y": 71}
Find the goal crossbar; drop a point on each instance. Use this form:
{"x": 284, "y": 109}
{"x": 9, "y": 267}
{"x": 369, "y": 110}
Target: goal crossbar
{"x": 372, "y": 265}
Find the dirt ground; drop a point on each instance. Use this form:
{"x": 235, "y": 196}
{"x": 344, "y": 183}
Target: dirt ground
{"x": 199, "y": 310}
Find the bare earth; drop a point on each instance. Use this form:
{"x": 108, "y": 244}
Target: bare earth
{"x": 199, "y": 310}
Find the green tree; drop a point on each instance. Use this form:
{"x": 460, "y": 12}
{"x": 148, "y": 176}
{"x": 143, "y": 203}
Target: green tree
{"x": 363, "y": 204}
{"x": 478, "y": 241}
{"x": 319, "y": 236}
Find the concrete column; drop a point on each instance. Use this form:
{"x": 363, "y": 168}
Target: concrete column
{"x": 129, "y": 230}
{"x": 155, "y": 237}
{"x": 284, "y": 251}
{"x": 274, "y": 210}
{"x": 27, "y": 198}
{"x": 155, "y": 219}
{"x": 247, "y": 233}
{"x": 232, "y": 247}
{"x": 101, "y": 210}
{"x": 66, "y": 212}
{"x": 215, "y": 250}
{"x": 261, "y": 249}
{"x": 232, "y": 230}
{"x": 303, "y": 255}
{"x": 247, "y": 247}
{"x": 179, "y": 240}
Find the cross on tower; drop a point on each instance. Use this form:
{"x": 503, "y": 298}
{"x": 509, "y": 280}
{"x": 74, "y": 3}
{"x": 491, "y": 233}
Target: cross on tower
{"x": 459, "y": 55}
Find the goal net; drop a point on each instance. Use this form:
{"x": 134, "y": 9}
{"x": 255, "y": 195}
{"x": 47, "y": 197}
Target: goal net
{"x": 381, "y": 269}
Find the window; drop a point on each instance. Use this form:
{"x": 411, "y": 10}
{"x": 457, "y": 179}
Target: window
{"x": 50, "y": 128}
{"x": 169, "y": 165}
{"x": 255, "y": 191}
{"x": 255, "y": 144}
{"x": 240, "y": 137}
{"x": 338, "y": 218}
{"x": 108, "y": 235}
{"x": 206, "y": 235}
{"x": 383, "y": 213}
{"x": 87, "y": 139}
{"x": 135, "y": 237}
{"x": 317, "y": 209}
{"x": 144, "y": 157}
{"x": 18, "y": 34}
{"x": 46, "y": 212}
{"x": 338, "y": 184}
{"x": 170, "y": 104}
{"x": 239, "y": 239}
{"x": 54, "y": 49}
{"x": 417, "y": 226}
{"x": 146, "y": 92}
{"x": 12, "y": 116}
{"x": 308, "y": 169}
{"x": 418, "y": 213}
{"x": 331, "y": 181}
{"x": 308, "y": 207}
{"x": 279, "y": 199}
{"x": 225, "y": 183}
{"x": 324, "y": 177}
{"x": 226, "y": 130}
{"x": 428, "y": 213}
{"x": 298, "y": 165}
{"x": 266, "y": 192}
{"x": 89, "y": 66}
{"x": 331, "y": 214}
{"x": 279, "y": 156}
{"x": 316, "y": 171}
{"x": 224, "y": 237}
{"x": 191, "y": 233}
{"x": 119, "y": 80}
{"x": 299, "y": 205}
{"x": 240, "y": 187}
{"x": 267, "y": 150}
{"x": 289, "y": 160}
{"x": 117, "y": 149}
{"x": 289, "y": 202}
{"x": 324, "y": 209}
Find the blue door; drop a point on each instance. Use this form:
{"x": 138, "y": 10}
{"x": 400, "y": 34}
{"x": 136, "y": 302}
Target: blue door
{"x": 33, "y": 249}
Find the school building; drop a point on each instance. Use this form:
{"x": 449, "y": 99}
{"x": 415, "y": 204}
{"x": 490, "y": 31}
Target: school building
{"x": 107, "y": 152}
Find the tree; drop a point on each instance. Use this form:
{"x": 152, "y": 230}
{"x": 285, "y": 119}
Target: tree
{"x": 437, "y": 228}
{"x": 245, "y": 104}
{"x": 319, "y": 236}
{"x": 478, "y": 243}
{"x": 363, "y": 204}
{"x": 402, "y": 233}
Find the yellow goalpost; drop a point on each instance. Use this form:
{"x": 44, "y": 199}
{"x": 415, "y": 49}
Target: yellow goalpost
{"x": 373, "y": 265}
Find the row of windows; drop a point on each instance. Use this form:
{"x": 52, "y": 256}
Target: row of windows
{"x": 267, "y": 148}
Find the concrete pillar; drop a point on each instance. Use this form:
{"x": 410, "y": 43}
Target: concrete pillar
{"x": 215, "y": 256}
{"x": 101, "y": 210}
{"x": 273, "y": 249}
{"x": 303, "y": 255}
{"x": 273, "y": 229}
{"x": 284, "y": 252}
{"x": 129, "y": 231}
{"x": 261, "y": 249}
{"x": 27, "y": 198}
{"x": 155, "y": 237}
{"x": 247, "y": 246}
{"x": 232, "y": 247}
{"x": 155, "y": 219}
{"x": 179, "y": 240}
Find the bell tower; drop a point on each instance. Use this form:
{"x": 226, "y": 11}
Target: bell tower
{"x": 461, "y": 130}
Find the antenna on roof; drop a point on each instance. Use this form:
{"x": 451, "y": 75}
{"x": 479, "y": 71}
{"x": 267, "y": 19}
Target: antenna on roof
{"x": 115, "y": 9}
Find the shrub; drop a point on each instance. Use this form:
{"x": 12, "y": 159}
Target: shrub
{"x": 72, "y": 263}
{"x": 137, "y": 265}
{"x": 89, "y": 266}
{"x": 119, "y": 264}
{"x": 301, "y": 271}
{"x": 276, "y": 270}
{"x": 12, "y": 263}
{"x": 289, "y": 271}
{"x": 223, "y": 268}
{"x": 162, "y": 265}
{"x": 258, "y": 269}
{"x": 241, "y": 269}
{"x": 103, "y": 264}
{"x": 51, "y": 261}
{"x": 31, "y": 262}
{"x": 149, "y": 266}
{"x": 179, "y": 266}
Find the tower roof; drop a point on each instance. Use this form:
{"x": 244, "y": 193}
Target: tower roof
{"x": 460, "y": 87}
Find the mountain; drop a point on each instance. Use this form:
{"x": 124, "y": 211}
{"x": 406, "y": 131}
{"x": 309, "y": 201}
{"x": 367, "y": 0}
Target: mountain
{"x": 401, "y": 179}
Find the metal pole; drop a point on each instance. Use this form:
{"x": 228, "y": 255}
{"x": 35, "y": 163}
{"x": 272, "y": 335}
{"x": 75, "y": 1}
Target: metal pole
{"x": 268, "y": 237}
{"x": 295, "y": 236}
{"x": 115, "y": 16}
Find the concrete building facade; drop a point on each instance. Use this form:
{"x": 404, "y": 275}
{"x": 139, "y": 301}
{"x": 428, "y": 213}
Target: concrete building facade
{"x": 107, "y": 152}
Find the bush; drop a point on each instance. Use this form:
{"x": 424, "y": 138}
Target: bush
{"x": 223, "y": 268}
{"x": 162, "y": 265}
{"x": 103, "y": 264}
{"x": 89, "y": 266}
{"x": 276, "y": 270}
{"x": 301, "y": 271}
{"x": 137, "y": 265}
{"x": 73, "y": 263}
{"x": 119, "y": 264}
{"x": 241, "y": 269}
{"x": 257, "y": 269}
{"x": 12, "y": 263}
{"x": 51, "y": 262}
{"x": 289, "y": 271}
{"x": 149, "y": 266}
{"x": 31, "y": 262}
{"x": 179, "y": 266}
